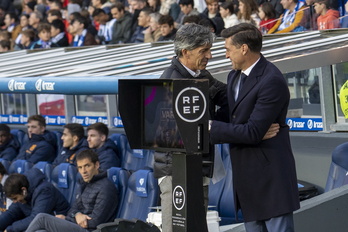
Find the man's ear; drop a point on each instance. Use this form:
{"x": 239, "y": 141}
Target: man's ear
{"x": 103, "y": 138}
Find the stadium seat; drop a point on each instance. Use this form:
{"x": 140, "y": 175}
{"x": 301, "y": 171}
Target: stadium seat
{"x": 59, "y": 141}
{"x": 64, "y": 179}
{"x": 20, "y": 166}
{"x": 119, "y": 177}
{"x": 132, "y": 159}
{"x": 221, "y": 193}
{"x": 142, "y": 193}
{"x": 18, "y": 134}
{"x": 338, "y": 173}
{"x": 46, "y": 168}
{"x": 6, "y": 164}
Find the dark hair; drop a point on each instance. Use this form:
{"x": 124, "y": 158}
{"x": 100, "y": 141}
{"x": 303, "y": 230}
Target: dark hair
{"x": 79, "y": 18}
{"x": 100, "y": 127}
{"x": 250, "y": 8}
{"x": 14, "y": 184}
{"x": 166, "y": 19}
{"x": 191, "y": 19}
{"x": 119, "y": 6}
{"x": 326, "y": 3}
{"x": 3, "y": 170}
{"x": 206, "y": 22}
{"x": 228, "y": 6}
{"x": 5, "y": 44}
{"x": 269, "y": 10}
{"x": 55, "y": 12}
{"x": 244, "y": 33}
{"x": 57, "y": 23}
{"x": 75, "y": 129}
{"x": 37, "y": 117}
{"x": 147, "y": 10}
{"x": 88, "y": 154}
{"x": 6, "y": 128}
{"x": 98, "y": 11}
{"x": 12, "y": 15}
{"x": 186, "y": 2}
{"x": 44, "y": 27}
{"x": 58, "y": 3}
{"x": 29, "y": 33}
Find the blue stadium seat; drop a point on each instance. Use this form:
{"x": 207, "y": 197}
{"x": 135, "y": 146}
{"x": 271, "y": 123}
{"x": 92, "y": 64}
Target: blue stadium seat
{"x": 221, "y": 193}
{"x": 64, "y": 179}
{"x": 132, "y": 159}
{"x": 6, "y": 164}
{"x": 59, "y": 141}
{"x": 142, "y": 193}
{"x": 20, "y": 166}
{"x": 338, "y": 173}
{"x": 119, "y": 177}
{"x": 46, "y": 168}
{"x": 18, "y": 134}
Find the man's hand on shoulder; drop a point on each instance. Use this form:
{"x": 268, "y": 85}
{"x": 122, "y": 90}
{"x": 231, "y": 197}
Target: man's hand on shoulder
{"x": 272, "y": 131}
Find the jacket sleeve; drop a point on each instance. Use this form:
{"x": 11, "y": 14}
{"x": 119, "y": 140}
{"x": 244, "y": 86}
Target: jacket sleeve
{"x": 298, "y": 18}
{"x": 105, "y": 204}
{"x": 10, "y": 216}
{"x": 9, "y": 154}
{"x": 42, "y": 203}
{"x": 43, "y": 152}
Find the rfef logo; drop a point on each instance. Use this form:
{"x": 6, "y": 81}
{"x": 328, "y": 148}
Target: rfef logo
{"x": 190, "y": 104}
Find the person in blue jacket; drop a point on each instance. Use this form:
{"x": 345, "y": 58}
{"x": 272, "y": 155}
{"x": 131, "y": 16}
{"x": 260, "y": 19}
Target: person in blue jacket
{"x": 41, "y": 145}
{"x": 9, "y": 145}
{"x": 74, "y": 142}
{"x": 96, "y": 202}
{"x": 97, "y": 138}
{"x": 31, "y": 194}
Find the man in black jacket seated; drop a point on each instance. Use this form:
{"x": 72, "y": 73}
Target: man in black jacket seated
{"x": 95, "y": 204}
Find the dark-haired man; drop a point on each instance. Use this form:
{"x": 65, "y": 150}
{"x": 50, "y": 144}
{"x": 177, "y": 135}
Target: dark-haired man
{"x": 105, "y": 26}
{"x": 41, "y": 145}
{"x": 31, "y": 194}
{"x": 122, "y": 28}
{"x": 58, "y": 33}
{"x": 97, "y": 138}
{"x": 9, "y": 146}
{"x": 167, "y": 29}
{"x": 258, "y": 96}
{"x": 74, "y": 142}
{"x": 78, "y": 29}
{"x": 96, "y": 203}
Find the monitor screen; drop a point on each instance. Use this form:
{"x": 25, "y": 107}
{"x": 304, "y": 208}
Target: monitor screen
{"x": 159, "y": 125}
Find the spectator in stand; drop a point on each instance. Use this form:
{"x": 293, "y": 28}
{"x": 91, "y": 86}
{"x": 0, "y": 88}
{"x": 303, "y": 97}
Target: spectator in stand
{"x": 41, "y": 145}
{"x": 344, "y": 20}
{"x": 106, "y": 26}
{"x": 96, "y": 202}
{"x": 248, "y": 12}
{"x": 53, "y": 14}
{"x": 122, "y": 28}
{"x": 9, "y": 145}
{"x": 155, "y": 5}
{"x": 97, "y": 138}
{"x": 328, "y": 18}
{"x": 44, "y": 33}
{"x": 24, "y": 24}
{"x": 191, "y": 19}
{"x": 293, "y": 18}
{"x": 101, "y": 4}
{"x": 267, "y": 16}
{"x": 228, "y": 15}
{"x": 7, "y": 6}
{"x": 135, "y": 7}
{"x": 29, "y": 7}
{"x": 58, "y": 34}
{"x": 278, "y": 7}
{"x": 11, "y": 25}
{"x": 4, "y": 35}
{"x": 27, "y": 40}
{"x": 167, "y": 28}
{"x": 74, "y": 142}
{"x": 4, "y": 201}
{"x": 311, "y": 15}
{"x": 186, "y": 9}
{"x": 34, "y": 19}
{"x": 79, "y": 30}
{"x": 31, "y": 194}
{"x": 143, "y": 24}
{"x": 55, "y": 5}
{"x": 170, "y": 7}
{"x": 212, "y": 13}
{"x": 153, "y": 32}
{"x": 5, "y": 45}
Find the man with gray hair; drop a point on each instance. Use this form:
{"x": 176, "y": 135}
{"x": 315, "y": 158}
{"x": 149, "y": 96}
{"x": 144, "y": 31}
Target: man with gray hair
{"x": 192, "y": 48}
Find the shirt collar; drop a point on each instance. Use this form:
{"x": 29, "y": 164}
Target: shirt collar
{"x": 194, "y": 74}
{"x": 248, "y": 70}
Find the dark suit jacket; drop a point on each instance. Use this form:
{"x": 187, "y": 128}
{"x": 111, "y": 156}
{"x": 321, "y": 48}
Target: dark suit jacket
{"x": 264, "y": 175}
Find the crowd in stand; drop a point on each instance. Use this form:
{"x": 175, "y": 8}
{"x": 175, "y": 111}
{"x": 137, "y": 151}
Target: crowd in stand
{"x": 41, "y": 144}
{"x": 42, "y": 24}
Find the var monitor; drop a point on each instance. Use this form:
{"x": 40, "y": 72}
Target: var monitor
{"x": 164, "y": 114}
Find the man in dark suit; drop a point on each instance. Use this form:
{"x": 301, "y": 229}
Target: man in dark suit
{"x": 264, "y": 174}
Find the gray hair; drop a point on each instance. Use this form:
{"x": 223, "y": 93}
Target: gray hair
{"x": 192, "y": 36}
{"x": 155, "y": 16}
